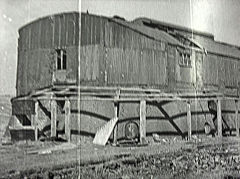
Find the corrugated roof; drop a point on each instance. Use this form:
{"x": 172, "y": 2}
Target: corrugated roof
{"x": 206, "y": 40}
{"x": 148, "y": 31}
{"x": 218, "y": 47}
{"x": 143, "y": 20}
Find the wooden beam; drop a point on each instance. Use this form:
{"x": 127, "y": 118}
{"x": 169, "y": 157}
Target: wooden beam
{"x": 115, "y": 130}
{"x": 67, "y": 109}
{"x": 219, "y": 118}
{"x": 142, "y": 121}
{"x": 134, "y": 99}
{"x": 116, "y": 115}
{"x": 53, "y": 118}
{"x": 35, "y": 120}
{"x": 189, "y": 121}
{"x": 236, "y": 117}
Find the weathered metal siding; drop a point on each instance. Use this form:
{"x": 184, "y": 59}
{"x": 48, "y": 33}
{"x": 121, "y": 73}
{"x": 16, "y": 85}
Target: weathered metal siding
{"x": 220, "y": 71}
{"x": 36, "y": 51}
{"x": 72, "y": 64}
{"x": 120, "y": 36}
{"x": 199, "y": 69}
{"x": 34, "y": 70}
{"x": 92, "y": 51}
{"x": 91, "y": 60}
{"x": 210, "y": 68}
{"x": 136, "y": 67}
{"x": 171, "y": 70}
{"x": 113, "y": 54}
{"x": 134, "y": 59}
{"x": 92, "y": 29}
{"x": 230, "y": 73}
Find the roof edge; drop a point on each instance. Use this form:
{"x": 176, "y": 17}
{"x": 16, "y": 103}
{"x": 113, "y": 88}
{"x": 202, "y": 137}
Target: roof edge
{"x": 174, "y": 26}
{"x": 47, "y": 16}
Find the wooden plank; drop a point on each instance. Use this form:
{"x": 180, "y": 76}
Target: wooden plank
{"x": 103, "y": 133}
{"x": 116, "y": 115}
{"x": 115, "y": 130}
{"x": 35, "y": 120}
{"x": 189, "y": 121}
{"x": 142, "y": 121}
{"x": 53, "y": 118}
{"x": 236, "y": 117}
{"x": 137, "y": 99}
{"x": 219, "y": 118}
{"x": 67, "y": 109}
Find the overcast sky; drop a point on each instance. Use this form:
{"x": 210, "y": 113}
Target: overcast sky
{"x": 219, "y": 17}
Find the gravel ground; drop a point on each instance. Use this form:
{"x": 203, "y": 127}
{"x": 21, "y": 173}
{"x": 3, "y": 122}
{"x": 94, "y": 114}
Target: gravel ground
{"x": 212, "y": 158}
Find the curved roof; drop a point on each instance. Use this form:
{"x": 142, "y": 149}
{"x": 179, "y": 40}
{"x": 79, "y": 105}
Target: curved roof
{"x": 152, "y": 30}
{"x": 45, "y": 17}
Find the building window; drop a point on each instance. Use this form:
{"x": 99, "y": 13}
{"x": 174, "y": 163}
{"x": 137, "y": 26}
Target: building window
{"x": 61, "y": 59}
{"x": 185, "y": 60}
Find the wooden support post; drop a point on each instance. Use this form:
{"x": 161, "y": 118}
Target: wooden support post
{"x": 189, "y": 120}
{"x": 67, "y": 109}
{"x": 219, "y": 118}
{"x": 115, "y": 130}
{"x": 236, "y": 118}
{"x": 142, "y": 121}
{"x": 35, "y": 120}
{"x": 53, "y": 118}
{"x": 116, "y": 115}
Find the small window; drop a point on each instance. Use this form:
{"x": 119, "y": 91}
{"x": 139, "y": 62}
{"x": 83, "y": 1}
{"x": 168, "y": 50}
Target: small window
{"x": 61, "y": 59}
{"x": 185, "y": 60}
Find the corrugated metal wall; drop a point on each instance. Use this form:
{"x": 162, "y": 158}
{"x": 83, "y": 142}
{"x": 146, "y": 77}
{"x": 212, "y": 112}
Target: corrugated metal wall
{"x": 91, "y": 58}
{"x": 36, "y": 51}
{"x": 112, "y": 54}
{"x": 220, "y": 70}
{"x": 210, "y": 67}
{"x": 136, "y": 67}
{"x": 230, "y": 73}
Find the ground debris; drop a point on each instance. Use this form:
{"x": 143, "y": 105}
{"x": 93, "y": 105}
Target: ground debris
{"x": 179, "y": 164}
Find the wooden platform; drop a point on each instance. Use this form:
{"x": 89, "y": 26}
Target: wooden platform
{"x": 119, "y": 95}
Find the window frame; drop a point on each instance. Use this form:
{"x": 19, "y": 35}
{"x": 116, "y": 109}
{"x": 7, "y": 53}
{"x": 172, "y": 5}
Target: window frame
{"x": 61, "y": 59}
{"x": 185, "y": 60}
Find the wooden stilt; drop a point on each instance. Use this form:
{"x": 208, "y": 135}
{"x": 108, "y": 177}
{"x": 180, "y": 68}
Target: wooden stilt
{"x": 53, "y": 118}
{"x": 116, "y": 126}
{"x": 142, "y": 121}
{"x": 67, "y": 109}
{"x": 236, "y": 118}
{"x": 219, "y": 118}
{"x": 35, "y": 120}
{"x": 116, "y": 115}
{"x": 189, "y": 121}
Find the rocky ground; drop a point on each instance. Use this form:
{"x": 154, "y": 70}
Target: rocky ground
{"x": 200, "y": 158}
{"x": 220, "y": 159}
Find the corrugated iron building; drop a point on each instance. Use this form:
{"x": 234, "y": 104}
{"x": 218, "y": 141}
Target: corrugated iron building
{"x": 144, "y": 53}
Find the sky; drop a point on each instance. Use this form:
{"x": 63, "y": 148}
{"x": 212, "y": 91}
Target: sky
{"x": 219, "y": 17}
